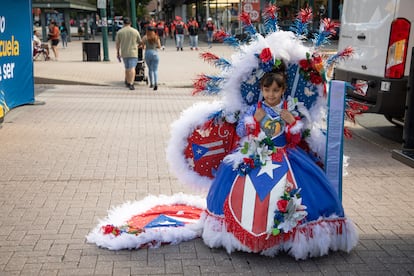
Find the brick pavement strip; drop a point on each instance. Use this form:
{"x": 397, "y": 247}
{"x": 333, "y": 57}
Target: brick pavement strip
{"x": 65, "y": 163}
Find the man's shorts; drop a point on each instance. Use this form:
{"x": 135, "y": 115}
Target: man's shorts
{"x": 130, "y": 62}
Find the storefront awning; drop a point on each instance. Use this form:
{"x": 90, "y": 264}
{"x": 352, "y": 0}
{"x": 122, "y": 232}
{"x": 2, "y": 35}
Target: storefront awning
{"x": 62, "y": 4}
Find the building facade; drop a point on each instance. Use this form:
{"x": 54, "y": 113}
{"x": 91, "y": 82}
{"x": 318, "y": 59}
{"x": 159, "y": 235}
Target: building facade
{"x": 225, "y": 13}
{"x": 75, "y": 14}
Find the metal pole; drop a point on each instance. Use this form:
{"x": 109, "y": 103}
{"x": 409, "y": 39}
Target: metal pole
{"x": 133, "y": 14}
{"x": 111, "y": 10}
{"x": 105, "y": 34}
{"x": 208, "y": 9}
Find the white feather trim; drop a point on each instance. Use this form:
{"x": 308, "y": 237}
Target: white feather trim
{"x": 325, "y": 237}
{"x": 118, "y": 216}
{"x": 181, "y": 129}
{"x": 296, "y": 128}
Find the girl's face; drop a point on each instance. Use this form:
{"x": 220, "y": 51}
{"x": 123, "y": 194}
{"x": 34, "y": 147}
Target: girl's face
{"x": 273, "y": 94}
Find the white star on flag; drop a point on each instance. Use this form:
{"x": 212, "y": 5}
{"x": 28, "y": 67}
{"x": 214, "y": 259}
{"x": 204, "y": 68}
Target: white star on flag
{"x": 268, "y": 168}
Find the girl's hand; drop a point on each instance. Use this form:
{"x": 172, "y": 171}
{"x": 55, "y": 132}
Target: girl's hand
{"x": 260, "y": 113}
{"x": 287, "y": 116}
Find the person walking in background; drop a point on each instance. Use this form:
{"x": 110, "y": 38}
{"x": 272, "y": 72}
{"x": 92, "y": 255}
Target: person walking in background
{"x": 54, "y": 38}
{"x": 179, "y": 30}
{"x": 143, "y": 25}
{"x": 127, "y": 41}
{"x": 193, "y": 31}
{"x": 93, "y": 27}
{"x": 210, "y": 28}
{"x": 162, "y": 32}
{"x": 151, "y": 43}
{"x": 63, "y": 34}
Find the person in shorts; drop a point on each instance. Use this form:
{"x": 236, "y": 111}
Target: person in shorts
{"x": 53, "y": 36}
{"x": 127, "y": 41}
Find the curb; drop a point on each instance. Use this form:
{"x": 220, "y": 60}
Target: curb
{"x": 40, "y": 80}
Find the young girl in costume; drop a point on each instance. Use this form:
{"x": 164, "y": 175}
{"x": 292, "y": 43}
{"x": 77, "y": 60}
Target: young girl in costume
{"x": 269, "y": 196}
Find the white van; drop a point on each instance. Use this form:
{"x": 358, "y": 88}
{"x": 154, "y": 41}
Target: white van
{"x": 382, "y": 35}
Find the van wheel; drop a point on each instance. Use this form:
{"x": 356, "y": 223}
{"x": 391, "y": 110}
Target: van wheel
{"x": 399, "y": 122}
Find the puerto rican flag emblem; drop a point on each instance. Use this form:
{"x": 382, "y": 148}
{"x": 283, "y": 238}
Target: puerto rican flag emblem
{"x": 253, "y": 198}
{"x": 208, "y": 146}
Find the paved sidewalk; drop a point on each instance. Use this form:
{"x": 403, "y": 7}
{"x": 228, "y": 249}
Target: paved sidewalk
{"x": 89, "y": 148}
{"x": 175, "y": 68}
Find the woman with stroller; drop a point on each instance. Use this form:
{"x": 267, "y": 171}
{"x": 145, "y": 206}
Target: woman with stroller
{"x": 151, "y": 43}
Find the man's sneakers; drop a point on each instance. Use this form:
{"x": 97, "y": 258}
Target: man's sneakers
{"x": 130, "y": 86}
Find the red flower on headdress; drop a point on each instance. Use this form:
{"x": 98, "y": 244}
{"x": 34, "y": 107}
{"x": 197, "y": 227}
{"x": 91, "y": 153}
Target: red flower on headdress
{"x": 312, "y": 68}
{"x": 315, "y": 78}
{"x": 266, "y": 55}
{"x": 305, "y": 64}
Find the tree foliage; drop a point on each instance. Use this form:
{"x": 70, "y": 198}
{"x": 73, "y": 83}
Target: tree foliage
{"x": 123, "y": 7}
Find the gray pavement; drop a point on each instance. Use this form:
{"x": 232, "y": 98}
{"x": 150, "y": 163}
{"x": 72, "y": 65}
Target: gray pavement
{"x": 175, "y": 68}
{"x": 63, "y": 164}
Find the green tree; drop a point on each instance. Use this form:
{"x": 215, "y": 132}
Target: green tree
{"x": 122, "y": 7}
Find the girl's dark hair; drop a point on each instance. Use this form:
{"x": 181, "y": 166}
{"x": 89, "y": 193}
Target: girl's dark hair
{"x": 278, "y": 75}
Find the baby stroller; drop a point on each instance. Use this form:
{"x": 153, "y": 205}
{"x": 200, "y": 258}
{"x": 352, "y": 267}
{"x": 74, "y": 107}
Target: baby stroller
{"x": 140, "y": 68}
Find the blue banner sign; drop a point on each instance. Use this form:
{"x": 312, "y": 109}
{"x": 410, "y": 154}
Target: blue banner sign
{"x": 16, "y": 60}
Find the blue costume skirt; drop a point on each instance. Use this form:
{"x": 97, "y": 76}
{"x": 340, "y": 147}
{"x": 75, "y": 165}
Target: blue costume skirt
{"x": 245, "y": 212}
